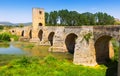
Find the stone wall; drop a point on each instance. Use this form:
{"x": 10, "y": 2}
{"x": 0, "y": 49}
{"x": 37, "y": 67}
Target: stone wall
{"x": 85, "y": 43}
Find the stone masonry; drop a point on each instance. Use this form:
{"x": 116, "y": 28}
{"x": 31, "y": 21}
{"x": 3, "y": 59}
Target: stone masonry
{"x": 90, "y": 45}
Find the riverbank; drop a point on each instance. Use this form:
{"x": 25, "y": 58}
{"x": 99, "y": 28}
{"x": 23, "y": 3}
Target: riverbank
{"x": 40, "y": 62}
{"x": 48, "y": 66}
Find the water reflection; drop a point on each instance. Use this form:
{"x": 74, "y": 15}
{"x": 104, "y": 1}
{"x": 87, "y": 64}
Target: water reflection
{"x": 8, "y": 48}
{"x": 4, "y": 45}
{"x": 42, "y": 51}
{"x": 31, "y": 49}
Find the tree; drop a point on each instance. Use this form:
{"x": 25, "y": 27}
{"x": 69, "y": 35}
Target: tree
{"x": 73, "y": 18}
{"x": 88, "y": 18}
{"x": 53, "y": 18}
{"x": 104, "y": 19}
{"x": 63, "y": 16}
{"x": 46, "y": 18}
{"x": 21, "y": 25}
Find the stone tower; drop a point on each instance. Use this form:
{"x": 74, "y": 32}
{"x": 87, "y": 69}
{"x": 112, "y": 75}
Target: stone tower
{"x": 38, "y": 17}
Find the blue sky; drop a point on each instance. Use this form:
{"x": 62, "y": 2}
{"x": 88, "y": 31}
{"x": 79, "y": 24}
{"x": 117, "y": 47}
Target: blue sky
{"x": 19, "y": 11}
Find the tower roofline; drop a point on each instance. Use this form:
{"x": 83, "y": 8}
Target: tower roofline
{"x": 37, "y": 8}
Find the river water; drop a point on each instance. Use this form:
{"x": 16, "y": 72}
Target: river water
{"x": 31, "y": 49}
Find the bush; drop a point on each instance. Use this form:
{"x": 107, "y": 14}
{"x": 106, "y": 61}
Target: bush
{"x": 14, "y": 37}
{"x": 116, "y": 49}
{"x": 4, "y": 37}
{"x": 1, "y": 27}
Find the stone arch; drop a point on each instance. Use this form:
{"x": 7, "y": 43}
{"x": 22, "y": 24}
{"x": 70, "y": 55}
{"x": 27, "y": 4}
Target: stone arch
{"x": 22, "y": 33}
{"x": 50, "y": 38}
{"x": 40, "y": 24}
{"x": 40, "y": 35}
{"x": 30, "y": 34}
{"x": 13, "y": 31}
{"x": 102, "y": 49}
{"x": 70, "y": 42}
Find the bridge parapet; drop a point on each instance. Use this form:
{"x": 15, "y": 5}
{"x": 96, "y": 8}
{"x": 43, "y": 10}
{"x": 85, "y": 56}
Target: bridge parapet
{"x": 113, "y": 31}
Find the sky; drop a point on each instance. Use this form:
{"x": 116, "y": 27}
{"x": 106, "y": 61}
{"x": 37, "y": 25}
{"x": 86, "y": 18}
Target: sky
{"x": 20, "y": 11}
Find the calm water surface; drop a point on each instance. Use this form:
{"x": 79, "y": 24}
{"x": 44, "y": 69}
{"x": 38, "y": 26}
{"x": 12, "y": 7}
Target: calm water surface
{"x": 30, "y": 49}
{"x": 8, "y": 48}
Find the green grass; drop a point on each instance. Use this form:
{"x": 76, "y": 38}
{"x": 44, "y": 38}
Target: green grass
{"x": 5, "y": 58}
{"x": 29, "y": 46}
{"x": 13, "y": 65}
{"x": 49, "y": 66}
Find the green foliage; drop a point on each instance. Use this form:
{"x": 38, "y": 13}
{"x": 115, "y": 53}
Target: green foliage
{"x": 24, "y": 61}
{"x": 50, "y": 66}
{"x": 87, "y": 36}
{"x": 21, "y": 25}
{"x": 5, "y": 58}
{"x": 15, "y": 37}
{"x": 116, "y": 49}
{"x": 53, "y": 17}
{"x": 73, "y": 18}
{"x": 5, "y": 37}
{"x": 50, "y": 59}
{"x": 104, "y": 19}
{"x": 46, "y": 18}
{"x": 1, "y": 27}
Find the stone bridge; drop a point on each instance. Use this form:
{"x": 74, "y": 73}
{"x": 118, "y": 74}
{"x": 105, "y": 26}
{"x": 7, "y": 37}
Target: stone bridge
{"x": 90, "y": 45}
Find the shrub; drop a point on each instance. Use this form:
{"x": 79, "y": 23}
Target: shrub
{"x": 1, "y": 27}
{"x": 4, "y": 37}
{"x": 116, "y": 49}
{"x": 14, "y": 37}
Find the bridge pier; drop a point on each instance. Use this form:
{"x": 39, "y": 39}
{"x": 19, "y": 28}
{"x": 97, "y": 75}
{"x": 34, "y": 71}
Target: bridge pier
{"x": 34, "y": 36}
{"x": 85, "y": 53}
{"x": 62, "y": 40}
{"x": 58, "y": 40}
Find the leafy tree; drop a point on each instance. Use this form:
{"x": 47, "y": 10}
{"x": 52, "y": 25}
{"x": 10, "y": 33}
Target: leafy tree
{"x": 53, "y": 18}
{"x": 46, "y": 18}
{"x": 88, "y": 18}
{"x": 63, "y": 16}
{"x": 73, "y": 18}
{"x": 104, "y": 19}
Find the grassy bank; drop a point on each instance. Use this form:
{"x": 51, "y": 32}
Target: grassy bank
{"x": 6, "y": 59}
{"x": 6, "y": 37}
{"x": 49, "y": 66}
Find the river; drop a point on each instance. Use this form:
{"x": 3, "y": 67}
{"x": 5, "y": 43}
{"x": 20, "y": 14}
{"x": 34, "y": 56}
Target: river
{"x": 30, "y": 49}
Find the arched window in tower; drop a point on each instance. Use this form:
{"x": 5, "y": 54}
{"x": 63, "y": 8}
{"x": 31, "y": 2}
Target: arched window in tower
{"x": 40, "y": 12}
{"x": 40, "y": 24}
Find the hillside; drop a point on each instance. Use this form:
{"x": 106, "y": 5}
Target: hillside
{"x": 6, "y": 23}
{"x": 15, "y": 24}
